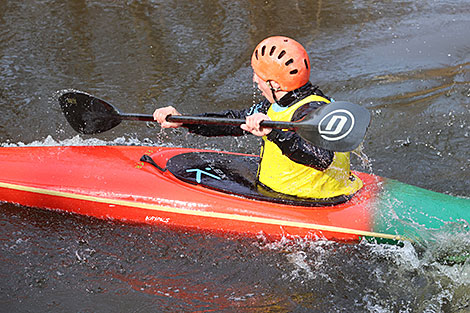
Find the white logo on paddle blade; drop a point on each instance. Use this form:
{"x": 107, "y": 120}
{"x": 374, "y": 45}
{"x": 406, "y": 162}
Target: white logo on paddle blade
{"x": 336, "y": 125}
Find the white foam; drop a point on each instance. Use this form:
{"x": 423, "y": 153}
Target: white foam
{"x": 79, "y": 141}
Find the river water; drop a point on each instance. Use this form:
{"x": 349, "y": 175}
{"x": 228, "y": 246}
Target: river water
{"x": 408, "y": 62}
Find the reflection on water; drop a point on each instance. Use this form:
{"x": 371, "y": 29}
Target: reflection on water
{"x": 406, "y": 61}
{"x": 57, "y": 262}
{"x": 447, "y": 80}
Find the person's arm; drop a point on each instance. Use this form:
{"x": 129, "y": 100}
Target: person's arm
{"x": 226, "y": 130}
{"x": 299, "y": 150}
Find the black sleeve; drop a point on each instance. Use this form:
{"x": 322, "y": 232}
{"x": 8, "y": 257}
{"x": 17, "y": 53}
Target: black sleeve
{"x": 226, "y": 130}
{"x": 299, "y": 150}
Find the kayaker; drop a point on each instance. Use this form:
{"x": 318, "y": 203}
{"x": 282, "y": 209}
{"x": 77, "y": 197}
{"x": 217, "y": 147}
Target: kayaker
{"x": 289, "y": 164}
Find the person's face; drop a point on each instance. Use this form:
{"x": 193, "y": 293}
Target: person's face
{"x": 263, "y": 87}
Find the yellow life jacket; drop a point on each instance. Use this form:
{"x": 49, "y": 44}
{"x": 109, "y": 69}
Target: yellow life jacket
{"x": 283, "y": 175}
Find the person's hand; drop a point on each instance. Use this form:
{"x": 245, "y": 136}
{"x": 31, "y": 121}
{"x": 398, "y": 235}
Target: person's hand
{"x": 160, "y": 116}
{"x": 252, "y": 124}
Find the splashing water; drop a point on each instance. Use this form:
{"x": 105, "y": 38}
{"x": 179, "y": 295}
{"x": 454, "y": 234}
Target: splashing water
{"x": 79, "y": 141}
{"x": 366, "y": 162}
{"x": 363, "y": 271}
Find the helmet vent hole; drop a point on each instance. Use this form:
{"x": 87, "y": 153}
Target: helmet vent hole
{"x": 283, "y": 53}
{"x": 263, "y": 50}
{"x": 256, "y": 54}
{"x": 306, "y": 64}
{"x": 293, "y": 72}
{"x": 289, "y": 62}
{"x": 272, "y": 50}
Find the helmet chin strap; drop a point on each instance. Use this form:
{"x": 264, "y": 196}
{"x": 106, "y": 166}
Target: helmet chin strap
{"x": 273, "y": 91}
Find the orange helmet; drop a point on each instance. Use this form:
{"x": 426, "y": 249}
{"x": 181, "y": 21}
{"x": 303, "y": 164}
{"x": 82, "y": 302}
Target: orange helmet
{"x": 283, "y": 60}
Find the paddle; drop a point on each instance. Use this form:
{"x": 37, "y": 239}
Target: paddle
{"x": 339, "y": 126}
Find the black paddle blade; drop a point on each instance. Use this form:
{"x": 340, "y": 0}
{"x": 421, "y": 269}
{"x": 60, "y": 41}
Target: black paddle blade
{"x": 339, "y": 126}
{"x": 87, "y": 114}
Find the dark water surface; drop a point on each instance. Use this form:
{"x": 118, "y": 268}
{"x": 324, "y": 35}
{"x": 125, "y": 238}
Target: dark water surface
{"x": 408, "y": 62}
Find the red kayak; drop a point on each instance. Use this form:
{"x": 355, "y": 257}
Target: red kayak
{"x": 112, "y": 182}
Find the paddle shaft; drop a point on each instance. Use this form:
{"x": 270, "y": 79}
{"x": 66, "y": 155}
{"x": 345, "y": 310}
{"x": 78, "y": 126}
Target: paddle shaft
{"x": 206, "y": 120}
{"x": 339, "y": 126}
